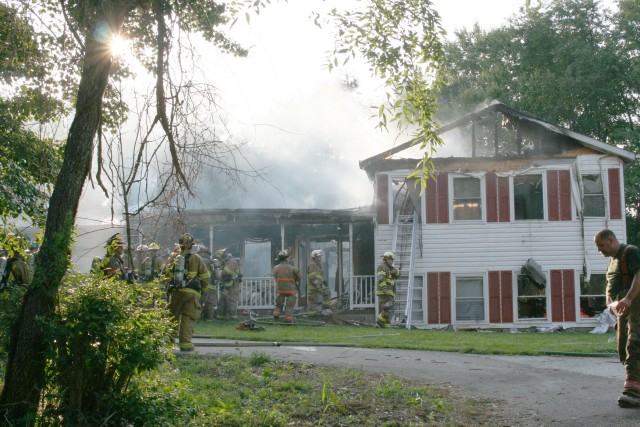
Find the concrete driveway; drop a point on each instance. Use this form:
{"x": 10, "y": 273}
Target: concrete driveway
{"x": 529, "y": 391}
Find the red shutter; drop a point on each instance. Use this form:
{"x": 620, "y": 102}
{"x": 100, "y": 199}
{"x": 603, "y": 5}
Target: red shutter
{"x": 433, "y": 297}
{"x": 615, "y": 195}
{"x": 504, "y": 202}
{"x": 431, "y": 201}
{"x": 553, "y": 195}
{"x": 506, "y": 280}
{"x": 382, "y": 199}
{"x": 556, "y": 296}
{"x": 439, "y": 298}
{"x": 559, "y": 195}
{"x": 443, "y": 198}
{"x": 569, "y": 296}
{"x": 492, "y": 199}
{"x": 495, "y": 315}
{"x": 500, "y": 297}
{"x": 445, "y": 300}
{"x": 564, "y": 184}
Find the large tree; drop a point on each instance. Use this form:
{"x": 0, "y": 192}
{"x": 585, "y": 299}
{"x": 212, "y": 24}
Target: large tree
{"x": 405, "y": 58}
{"x": 570, "y": 62}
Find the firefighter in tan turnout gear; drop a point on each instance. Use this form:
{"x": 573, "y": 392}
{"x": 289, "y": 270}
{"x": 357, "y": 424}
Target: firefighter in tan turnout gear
{"x": 187, "y": 277}
{"x": 230, "y": 278}
{"x": 287, "y": 281}
{"x": 386, "y": 276}
{"x": 318, "y": 293}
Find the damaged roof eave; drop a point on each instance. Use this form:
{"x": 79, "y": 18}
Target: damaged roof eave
{"x": 370, "y": 163}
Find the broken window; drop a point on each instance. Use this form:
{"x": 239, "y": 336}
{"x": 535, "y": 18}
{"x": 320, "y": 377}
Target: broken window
{"x": 470, "y": 299}
{"x": 532, "y": 299}
{"x": 467, "y": 199}
{"x": 528, "y": 197}
{"x": 593, "y": 196}
{"x": 592, "y": 296}
{"x": 257, "y": 258}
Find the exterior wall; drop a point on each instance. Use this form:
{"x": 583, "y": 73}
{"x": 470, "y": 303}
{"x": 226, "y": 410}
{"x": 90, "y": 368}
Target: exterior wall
{"x": 562, "y": 247}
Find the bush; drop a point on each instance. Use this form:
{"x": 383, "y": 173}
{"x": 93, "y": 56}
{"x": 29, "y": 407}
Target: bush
{"x": 103, "y": 338}
{"x": 10, "y": 301}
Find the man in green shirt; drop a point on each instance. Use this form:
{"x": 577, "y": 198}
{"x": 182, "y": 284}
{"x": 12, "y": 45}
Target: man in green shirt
{"x": 622, "y": 298}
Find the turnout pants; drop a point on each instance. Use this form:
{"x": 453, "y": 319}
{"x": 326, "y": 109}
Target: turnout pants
{"x": 184, "y": 305}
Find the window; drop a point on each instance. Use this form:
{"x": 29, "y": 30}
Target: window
{"x": 592, "y": 296}
{"x": 593, "y": 195}
{"x": 467, "y": 199}
{"x": 532, "y": 299}
{"x": 528, "y": 197}
{"x": 469, "y": 299}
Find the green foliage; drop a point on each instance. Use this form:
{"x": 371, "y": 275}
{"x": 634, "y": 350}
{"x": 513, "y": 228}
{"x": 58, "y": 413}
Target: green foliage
{"x": 29, "y": 163}
{"x": 10, "y": 300}
{"x": 400, "y": 40}
{"x": 103, "y": 339}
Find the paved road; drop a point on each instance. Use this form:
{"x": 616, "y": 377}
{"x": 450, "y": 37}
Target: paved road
{"x": 531, "y": 391}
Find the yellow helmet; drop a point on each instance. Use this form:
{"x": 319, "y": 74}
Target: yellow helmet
{"x": 114, "y": 242}
{"x": 186, "y": 240}
{"x": 154, "y": 246}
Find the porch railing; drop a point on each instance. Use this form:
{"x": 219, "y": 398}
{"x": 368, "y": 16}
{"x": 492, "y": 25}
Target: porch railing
{"x": 363, "y": 292}
{"x": 260, "y": 293}
{"x": 257, "y": 293}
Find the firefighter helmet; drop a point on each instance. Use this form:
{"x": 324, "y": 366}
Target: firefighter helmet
{"x": 142, "y": 248}
{"x": 154, "y": 246}
{"x": 220, "y": 254}
{"x": 283, "y": 254}
{"x": 115, "y": 241}
{"x": 186, "y": 240}
{"x": 389, "y": 255}
{"x": 316, "y": 254}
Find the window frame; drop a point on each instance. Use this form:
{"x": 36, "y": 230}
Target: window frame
{"x": 603, "y": 195}
{"x": 544, "y": 196}
{"x": 517, "y": 297}
{"x": 481, "y": 197}
{"x": 485, "y": 297}
{"x": 581, "y": 296}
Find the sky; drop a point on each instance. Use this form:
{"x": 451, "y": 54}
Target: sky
{"x": 295, "y": 118}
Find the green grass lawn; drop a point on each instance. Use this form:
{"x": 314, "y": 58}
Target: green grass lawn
{"x": 462, "y": 341}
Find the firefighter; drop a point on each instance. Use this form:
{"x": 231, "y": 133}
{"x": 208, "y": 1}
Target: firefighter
{"x": 386, "y": 276}
{"x": 231, "y": 277}
{"x": 112, "y": 265}
{"x": 287, "y": 282}
{"x": 138, "y": 261}
{"x": 152, "y": 265}
{"x": 317, "y": 290}
{"x": 209, "y": 297}
{"x": 187, "y": 278}
{"x": 15, "y": 270}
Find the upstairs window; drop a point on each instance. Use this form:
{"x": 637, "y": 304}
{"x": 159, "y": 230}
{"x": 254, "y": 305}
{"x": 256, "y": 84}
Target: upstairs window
{"x": 593, "y": 196}
{"x": 467, "y": 199}
{"x": 528, "y": 197}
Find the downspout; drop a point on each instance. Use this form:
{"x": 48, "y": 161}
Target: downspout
{"x": 578, "y": 197}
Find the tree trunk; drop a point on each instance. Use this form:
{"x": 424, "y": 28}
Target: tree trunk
{"x": 24, "y": 379}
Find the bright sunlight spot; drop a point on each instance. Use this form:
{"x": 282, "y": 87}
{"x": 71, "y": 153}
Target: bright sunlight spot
{"x": 119, "y": 47}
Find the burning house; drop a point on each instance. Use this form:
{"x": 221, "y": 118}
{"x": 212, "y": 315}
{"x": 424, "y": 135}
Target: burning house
{"x": 503, "y": 234}
{"x": 257, "y": 235}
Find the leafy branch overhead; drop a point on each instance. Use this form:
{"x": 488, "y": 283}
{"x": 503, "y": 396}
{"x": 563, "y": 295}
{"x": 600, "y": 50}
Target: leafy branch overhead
{"x": 401, "y": 42}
